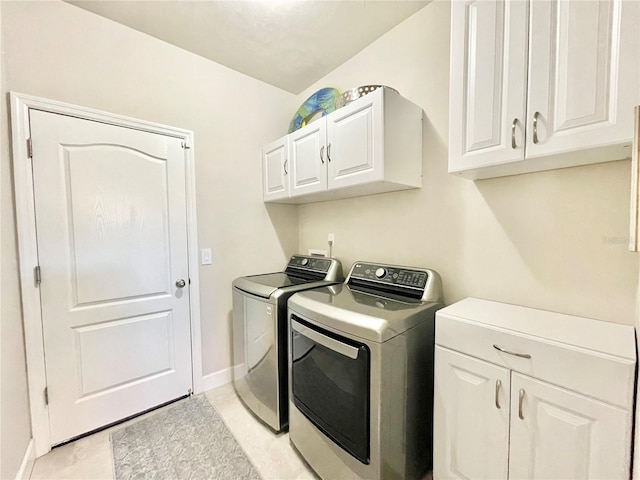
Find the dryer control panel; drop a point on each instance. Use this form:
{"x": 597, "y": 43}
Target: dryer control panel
{"x": 390, "y": 275}
{"x": 409, "y": 282}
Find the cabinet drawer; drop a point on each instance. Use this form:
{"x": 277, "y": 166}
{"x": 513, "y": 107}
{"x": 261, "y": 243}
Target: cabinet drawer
{"x": 598, "y": 375}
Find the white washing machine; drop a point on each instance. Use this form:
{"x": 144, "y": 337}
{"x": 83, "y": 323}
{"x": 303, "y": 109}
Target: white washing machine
{"x": 361, "y": 373}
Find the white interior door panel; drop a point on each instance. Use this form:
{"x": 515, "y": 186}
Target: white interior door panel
{"x": 112, "y": 242}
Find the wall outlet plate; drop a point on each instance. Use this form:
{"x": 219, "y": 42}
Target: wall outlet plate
{"x": 317, "y": 253}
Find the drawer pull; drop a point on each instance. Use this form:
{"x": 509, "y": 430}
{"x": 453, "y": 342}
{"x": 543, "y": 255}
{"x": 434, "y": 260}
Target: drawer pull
{"x": 535, "y": 127}
{"x": 521, "y": 355}
{"x": 520, "y": 400}
{"x": 498, "y": 385}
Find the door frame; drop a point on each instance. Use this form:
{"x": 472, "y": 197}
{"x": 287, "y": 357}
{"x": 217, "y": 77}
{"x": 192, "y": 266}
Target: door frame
{"x": 28, "y": 251}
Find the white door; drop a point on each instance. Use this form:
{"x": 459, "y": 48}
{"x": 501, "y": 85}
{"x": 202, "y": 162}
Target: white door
{"x": 355, "y": 138}
{"x": 308, "y": 157}
{"x": 583, "y": 75}
{"x": 488, "y": 83}
{"x": 275, "y": 176}
{"x": 470, "y": 418}
{"x": 112, "y": 243}
{"x": 561, "y": 435}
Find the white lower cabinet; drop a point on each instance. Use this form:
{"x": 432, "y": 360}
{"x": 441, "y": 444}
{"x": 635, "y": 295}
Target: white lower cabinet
{"x": 471, "y": 419}
{"x": 527, "y": 394}
{"x": 559, "y": 434}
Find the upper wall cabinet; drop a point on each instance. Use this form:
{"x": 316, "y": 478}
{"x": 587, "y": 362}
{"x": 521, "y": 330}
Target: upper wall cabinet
{"x": 539, "y": 84}
{"x": 275, "y": 160}
{"x": 372, "y": 145}
{"x": 309, "y": 159}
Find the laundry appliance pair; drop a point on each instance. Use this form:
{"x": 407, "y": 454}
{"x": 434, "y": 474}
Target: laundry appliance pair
{"x": 350, "y": 365}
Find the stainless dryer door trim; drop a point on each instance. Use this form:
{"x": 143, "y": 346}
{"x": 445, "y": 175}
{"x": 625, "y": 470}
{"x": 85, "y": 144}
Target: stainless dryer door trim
{"x": 330, "y": 343}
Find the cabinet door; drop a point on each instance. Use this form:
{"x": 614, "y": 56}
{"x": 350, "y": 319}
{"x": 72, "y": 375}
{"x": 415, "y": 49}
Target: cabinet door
{"x": 471, "y": 418}
{"x": 275, "y": 180}
{"x": 558, "y": 434}
{"x": 487, "y": 83}
{"x": 356, "y": 141}
{"x": 583, "y": 75}
{"x": 307, "y": 148}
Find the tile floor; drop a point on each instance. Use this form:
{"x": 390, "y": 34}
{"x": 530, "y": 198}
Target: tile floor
{"x": 90, "y": 458}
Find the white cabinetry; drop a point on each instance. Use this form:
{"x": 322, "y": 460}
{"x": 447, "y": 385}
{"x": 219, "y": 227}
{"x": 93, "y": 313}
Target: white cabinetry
{"x": 556, "y": 433}
{"x": 526, "y": 394}
{"x": 308, "y": 158}
{"x": 540, "y": 84}
{"x": 356, "y": 142}
{"x": 372, "y": 145}
{"x": 275, "y": 173}
{"x": 471, "y": 432}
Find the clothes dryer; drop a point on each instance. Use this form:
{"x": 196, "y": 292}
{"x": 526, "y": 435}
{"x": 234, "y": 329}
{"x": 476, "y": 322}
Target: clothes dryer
{"x": 361, "y": 373}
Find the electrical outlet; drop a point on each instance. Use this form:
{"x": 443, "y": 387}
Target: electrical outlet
{"x": 331, "y": 239}
{"x": 317, "y": 253}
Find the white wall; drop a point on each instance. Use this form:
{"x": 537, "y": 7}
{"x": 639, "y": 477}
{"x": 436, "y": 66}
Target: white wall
{"x": 15, "y": 425}
{"x": 539, "y": 240}
{"x": 58, "y": 51}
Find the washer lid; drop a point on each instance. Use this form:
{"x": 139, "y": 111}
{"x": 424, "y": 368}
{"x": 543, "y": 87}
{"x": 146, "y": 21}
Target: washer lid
{"x": 264, "y": 285}
{"x": 357, "y": 313}
{"x": 301, "y": 272}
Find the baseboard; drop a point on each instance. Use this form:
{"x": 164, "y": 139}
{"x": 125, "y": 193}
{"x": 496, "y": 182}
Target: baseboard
{"x": 216, "y": 379}
{"x": 239, "y": 371}
{"x": 24, "y": 472}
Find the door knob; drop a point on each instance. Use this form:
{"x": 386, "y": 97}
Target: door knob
{"x": 180, "y": 283}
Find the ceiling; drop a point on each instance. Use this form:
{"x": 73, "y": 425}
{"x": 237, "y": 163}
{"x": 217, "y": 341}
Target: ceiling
{"x": 287, "y": 43}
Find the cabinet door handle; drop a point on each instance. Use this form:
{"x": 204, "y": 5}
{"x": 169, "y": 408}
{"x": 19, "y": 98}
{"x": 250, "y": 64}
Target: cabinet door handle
{"x": 322, "y": 154}
{"x": 521, "y": 355}
{"x": 513, "y": 133}
{"x": 520, "y": 401}
{"x": 329, "y": 152}
{"x": 535, "y": 127}
{"x": 498, "y": 385}
{"x": 285, "y": 166}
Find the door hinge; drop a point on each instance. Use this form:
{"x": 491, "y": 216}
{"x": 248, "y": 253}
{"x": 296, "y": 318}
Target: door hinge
{"x": 46, "y": 395}
{"x": 37, "y": 274}
{"x": 185, "y": 145}
{"x": 29, "y": 148}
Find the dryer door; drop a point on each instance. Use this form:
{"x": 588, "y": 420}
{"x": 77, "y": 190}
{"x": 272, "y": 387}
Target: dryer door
{"x": 330, "y": 385}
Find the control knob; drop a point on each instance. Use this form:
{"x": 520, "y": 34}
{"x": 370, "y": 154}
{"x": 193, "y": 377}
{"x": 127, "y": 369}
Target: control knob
{"x": 304, "y": 261}
{"x": 381, "y": 272}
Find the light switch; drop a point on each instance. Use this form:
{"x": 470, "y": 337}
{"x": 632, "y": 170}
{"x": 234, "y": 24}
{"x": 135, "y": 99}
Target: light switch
{"x": 205, "y": 255}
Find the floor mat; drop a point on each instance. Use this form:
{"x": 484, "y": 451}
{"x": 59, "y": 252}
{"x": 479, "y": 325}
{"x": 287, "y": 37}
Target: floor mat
{"x": 189, "y": 440}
